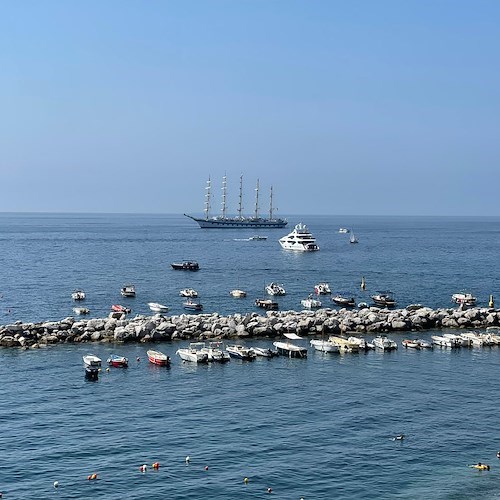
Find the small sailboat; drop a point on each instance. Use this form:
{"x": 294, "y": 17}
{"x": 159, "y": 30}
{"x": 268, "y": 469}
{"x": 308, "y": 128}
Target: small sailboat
{"x": 352, "y": 238}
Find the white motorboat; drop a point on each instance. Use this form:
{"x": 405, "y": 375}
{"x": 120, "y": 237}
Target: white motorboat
{"x": 343, "y": 230}
{"x": 363, "y": 345}
{"x": 474, "y": 339}
{"x": 300, "y": 239}
{"x": 78, "y": 295}
{"x": 410, "y": 343}
{"x": 188, "y": 292}
{"x": 128, "y": 291}
{"x": 324, "y": 345}
{"x": 289, "y": 349}
{"x": 193, "y": 353}
{"x": 81, "y": 310}
{"x": 443, "y": 341}
{"x": 344, "y": 344}
{"x": 215, "y": 353}
{"x": 424, "y": 344}
{"x": 343, "y": 299}
{"x": 310, "y": 303}
{"x": 322, "y": 289}
{"x": 266, "y": 304}
{"x": 241, "y": 352}
{"x": 463, "y": 299}
{"x": 264, "y": 352}
{"x": 385, "y": 343}
{"x": 384, "y": 299}
{"x": 257, "y": 238}
{"x": 239, "y": 294}
{"x": 92, "y": 365}
{"x": 458, "y": 339}
{"x": 158, "y": 308}
{"x": 275, "y": 289}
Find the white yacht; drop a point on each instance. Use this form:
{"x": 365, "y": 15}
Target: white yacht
{"x": 275, "y": 289}
{"x": 300, "y": 239}
{"x": 193, "y": 353}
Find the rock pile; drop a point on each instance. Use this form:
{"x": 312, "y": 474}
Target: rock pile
{"x": 118, "y": 328}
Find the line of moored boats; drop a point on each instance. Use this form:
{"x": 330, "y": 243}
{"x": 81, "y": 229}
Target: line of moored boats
{"x": 214, "y": 351}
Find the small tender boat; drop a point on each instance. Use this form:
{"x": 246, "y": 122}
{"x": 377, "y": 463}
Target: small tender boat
{"x": 78, "y": 295}
{"x": 385, "y": 343}
{"x": 158, "y": 308}
{"x": 363, "y": 345}
{"x": 266, "y": 304}
{"x": 324, "y": 345}
{"x": 128, "y": 291}
{"x": 158, "y": 358}
{"x": 275, "y": 289}
{"x": 187, "y": 265}
{"x": 188, "y": 292}
{"x": 241, "y": 352}
{"x": 410, "y": 343}
{"x": 322, "y": 289}
{"x": 194, "y": 353}
{"x": 192, "y": 305}
{"x": 343, "y": 230}
{"x": 458, "y": 340}
{"x": 289, "y": 349}
{"x": 345, "y": 345}
{"x": 257, "y": 238}
{"x": 442, "y": 341}
{"x": 264, "y": 352}
{"x": 81, "y": 310}
{"x": 343, "y": 299}
{"x": 463, "y": 299}
{"x": 384, "y": 299}
{"x": 215, "y": 353}
{"x": 310, "y": 303}
{"x": 239, "y": 294}
{"x": 424, "y": 344}
{"x": 120, "y": 308}
{"x": 92, "y": 365}
{"x": 117, "y": 361}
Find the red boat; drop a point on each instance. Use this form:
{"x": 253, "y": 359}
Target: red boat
{"x": 118, "y": 361}
{"x": 158, "y": 358}
{"x": 121, "y": 309}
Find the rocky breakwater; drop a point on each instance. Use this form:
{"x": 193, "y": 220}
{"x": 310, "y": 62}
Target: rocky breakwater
{"x": 118, "y": 328}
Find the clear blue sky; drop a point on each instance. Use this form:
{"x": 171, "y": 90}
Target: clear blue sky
{"x": 345, "y": 107}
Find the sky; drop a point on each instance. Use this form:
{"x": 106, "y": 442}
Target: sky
{"x": 344, "y": 107}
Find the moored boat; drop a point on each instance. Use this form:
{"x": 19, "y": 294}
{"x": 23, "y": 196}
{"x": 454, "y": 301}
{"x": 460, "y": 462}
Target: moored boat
{"x": 188, "y": 292}
{"x": 78, "y": 295}
{"x": 187, "y": 265}
{"x": 81, "y": 310}
{"x": 215, "y": 353}
{"x": 117, "y": 361}
{"x": 239, "y": 294}
{"x": 343, "y": 299}
{"x": 289, "y": 349}
{"x": 241, "y": 352}
{"x": 158, "y": 308}
{"x": 128, "y": 291}
{"x": 442, "y": 341}
{"x": 192, "y": 305}
{"x": 121, "y": 309}
{"x": 193, "y": 353}
{"x": 264, "y": 352}
{"x": 92, "y": 365}
{"x": 324, "y": 345}
{"x": 384, "y": 299}
{"x": 158, "y": 358}
{"x": 410, "y": 343}
{"x": 385, "y": 343}
{"x": 311, "y": 303}
{"x": 322, "y": 288}
{"x": 345, "y": 345}
{"x": 463, "y": 299}
{"x": 266, "y": 304}
{"x": 275, "y": 289}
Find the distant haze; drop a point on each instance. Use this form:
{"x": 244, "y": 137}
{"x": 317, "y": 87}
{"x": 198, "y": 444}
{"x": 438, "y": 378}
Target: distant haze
{"x": 345, "y": 107}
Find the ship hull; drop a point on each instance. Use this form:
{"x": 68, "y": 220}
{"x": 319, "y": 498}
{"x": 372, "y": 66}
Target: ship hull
{"x": 229, "y": 223}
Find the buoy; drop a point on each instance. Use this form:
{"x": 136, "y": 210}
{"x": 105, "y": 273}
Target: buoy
{"x": 143, "y": 468}
{"x": 107, "y": 369}
{"x": 156, "y": 465}
{"x": 92, "y": 477}
{"x": 363, "y": 283}
{"x": 491, "y": 303}
{"x": 269, "y": 490}
{"x": 206, "y": 467}
{"x": 188, "y": 458}
{"x": 56, "y": 484}
{"x": 245, "y": 480}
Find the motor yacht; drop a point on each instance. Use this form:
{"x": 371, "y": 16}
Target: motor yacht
{"x": 300, "y": 239}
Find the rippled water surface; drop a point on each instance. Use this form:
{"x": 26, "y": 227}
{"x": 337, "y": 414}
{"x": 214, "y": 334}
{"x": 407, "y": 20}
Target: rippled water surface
{"x": 315, "y": 428}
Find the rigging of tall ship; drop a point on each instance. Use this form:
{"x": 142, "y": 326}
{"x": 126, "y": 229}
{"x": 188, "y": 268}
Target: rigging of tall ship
{"x": 300, "y": 239}
{"x": 239, "y": 221}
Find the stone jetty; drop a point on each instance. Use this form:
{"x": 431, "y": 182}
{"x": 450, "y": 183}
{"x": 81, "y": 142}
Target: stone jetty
{"x": 119, "y": 328}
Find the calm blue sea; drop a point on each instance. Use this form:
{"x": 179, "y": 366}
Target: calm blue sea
{"x": 319, "y": 428}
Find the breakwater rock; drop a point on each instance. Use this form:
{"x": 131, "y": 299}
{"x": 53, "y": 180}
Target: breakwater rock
{"x": 118, "y": 328}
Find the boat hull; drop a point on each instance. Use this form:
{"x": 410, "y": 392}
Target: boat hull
{"x": 230, "y": 223}
{"x": 290, "y": 350}
{"x": 158, "y": 358}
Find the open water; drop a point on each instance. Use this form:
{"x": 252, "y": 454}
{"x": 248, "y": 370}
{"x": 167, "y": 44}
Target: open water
{"x": 318, "y": 428}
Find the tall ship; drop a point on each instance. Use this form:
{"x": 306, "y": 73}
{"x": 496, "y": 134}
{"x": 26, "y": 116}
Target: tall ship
{"x": 240, "y": 221}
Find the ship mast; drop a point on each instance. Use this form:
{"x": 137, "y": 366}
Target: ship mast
{"x": 224, "y": 193}
{"x": 271, "y": 204}
{"x": 240, "y": 205}
{"x": 257, "y": 200}
{"x": 207, "y": 199}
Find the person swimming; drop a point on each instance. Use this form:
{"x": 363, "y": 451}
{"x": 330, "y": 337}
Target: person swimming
{"x": 480, "y": 466}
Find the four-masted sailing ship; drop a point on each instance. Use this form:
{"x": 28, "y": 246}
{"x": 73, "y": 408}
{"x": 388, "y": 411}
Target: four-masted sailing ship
{"x": 239, "y": 221}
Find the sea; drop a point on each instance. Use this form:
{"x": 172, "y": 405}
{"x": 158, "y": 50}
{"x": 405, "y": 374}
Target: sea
{"x": 315, "y": 428}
